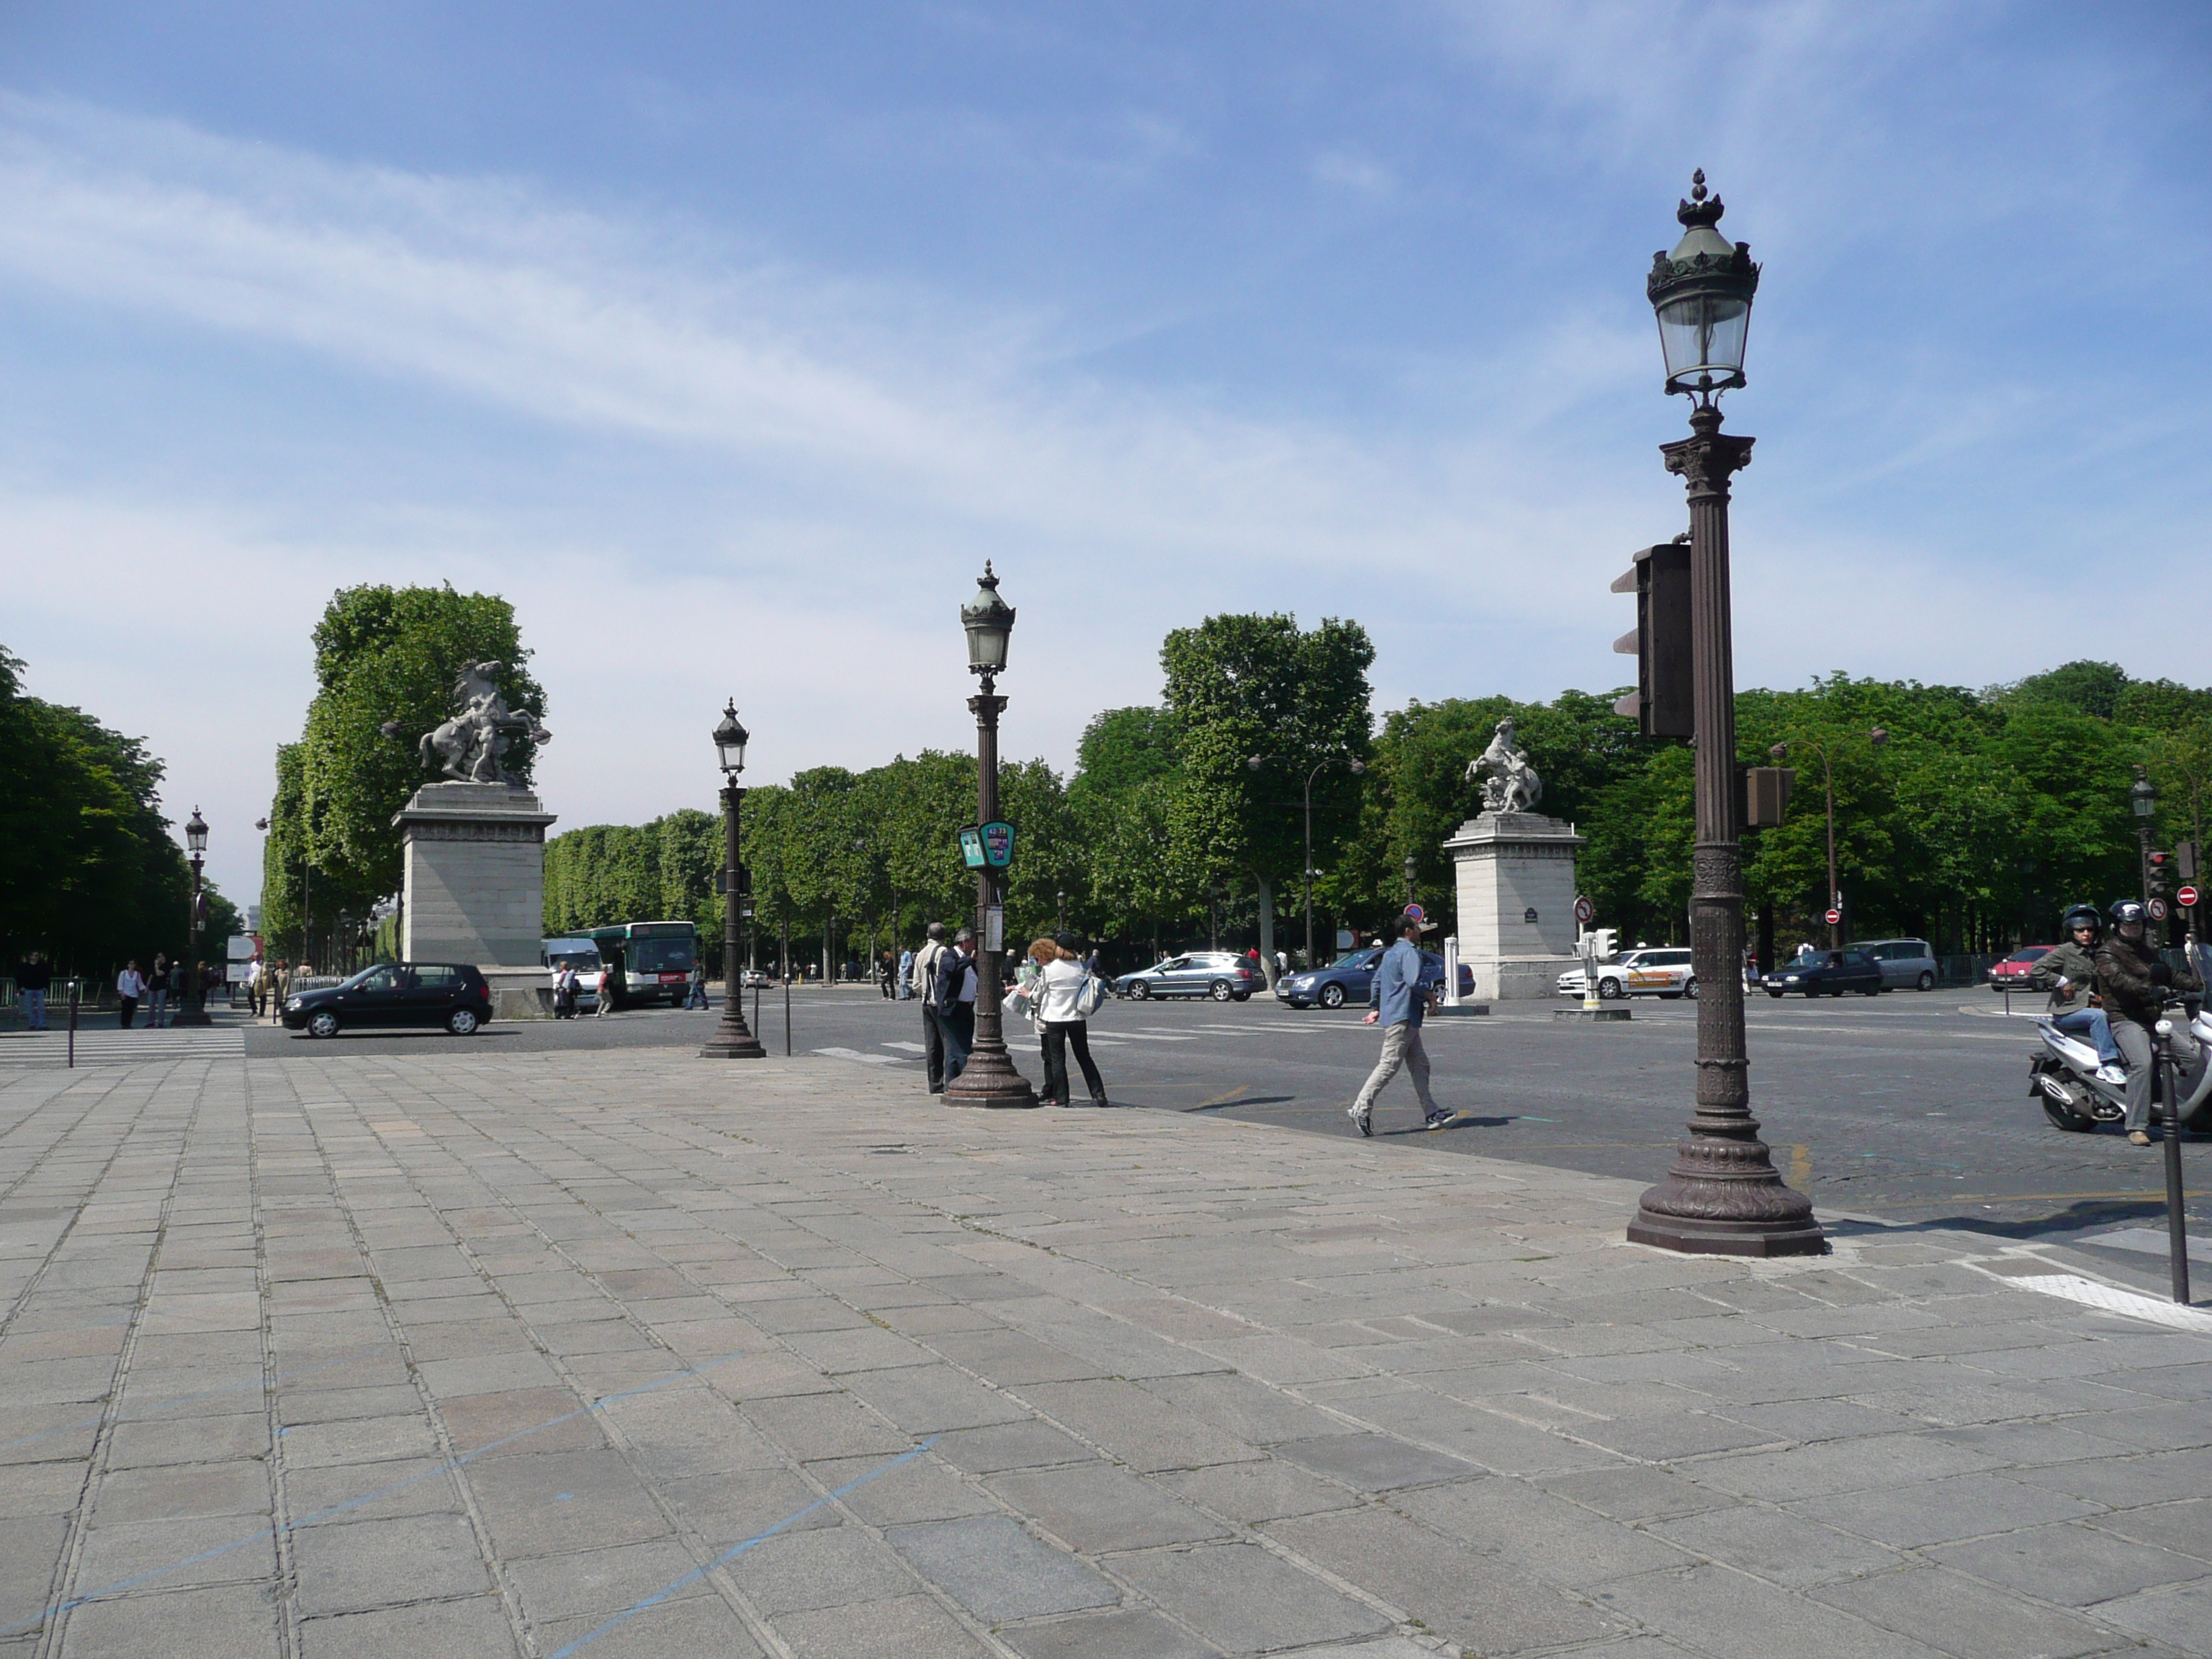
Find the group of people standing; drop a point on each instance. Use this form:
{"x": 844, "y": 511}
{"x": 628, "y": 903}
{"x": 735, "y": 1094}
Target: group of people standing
{"x": 1051, "y": 988}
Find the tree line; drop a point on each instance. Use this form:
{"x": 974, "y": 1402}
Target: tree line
{"x": 92, "y": 877}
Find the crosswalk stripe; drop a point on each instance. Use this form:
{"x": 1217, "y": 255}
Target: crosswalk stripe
{"x": 117, "y": 1048}
{"x": 854, "y": 1053}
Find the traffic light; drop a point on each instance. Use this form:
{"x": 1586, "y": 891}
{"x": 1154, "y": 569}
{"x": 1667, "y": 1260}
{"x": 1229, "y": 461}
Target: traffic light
{"x": 2185, "y": 859}
{"x": 1766, "y": 794}
{"x": 1661, "y": 705}
{"x": 2161, "y": 865}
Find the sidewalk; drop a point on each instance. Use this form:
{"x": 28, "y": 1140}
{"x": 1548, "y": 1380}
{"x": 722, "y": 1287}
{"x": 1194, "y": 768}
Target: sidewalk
{"x": 623, "y": 1352}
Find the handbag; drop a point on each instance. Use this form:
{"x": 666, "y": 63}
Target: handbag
{"x": 1089, "y": 996}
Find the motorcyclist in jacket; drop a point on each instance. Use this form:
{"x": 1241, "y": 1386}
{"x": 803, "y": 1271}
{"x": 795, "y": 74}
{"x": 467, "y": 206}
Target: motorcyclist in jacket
{"x": 2132, "y": 982}
{"x": 2070, "y": 974}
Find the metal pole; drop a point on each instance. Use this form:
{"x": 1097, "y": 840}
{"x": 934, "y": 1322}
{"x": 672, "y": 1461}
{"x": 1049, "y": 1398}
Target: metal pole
{"x": 989, "y": 1078}
{"x": 1723, "y": 1196}
{"x": 1835, "y": 897}
{"x": 194, "y": 1013}
{"x": 786, "y": 1016}
{"x": 732, "y": 1038}
{"x": 1307, "y": 866}
{"x": 75, "y": 987}
{"x": 2142, "y": 856}
{"x": 2177, "y": 1222}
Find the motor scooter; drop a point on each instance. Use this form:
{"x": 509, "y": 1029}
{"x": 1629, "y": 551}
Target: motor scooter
{"x": 2061, "y": 1073}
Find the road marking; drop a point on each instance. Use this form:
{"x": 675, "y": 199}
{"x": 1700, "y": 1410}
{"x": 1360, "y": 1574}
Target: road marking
{"x": 854, "y": 1053}
{"x": 1236, "y": 1093}
{"x": 2074, "y": 1288}
{"x": 1139, "y": 1036}
{"x": 911, "y": 1048}
{"x": 1801, "y": 1165}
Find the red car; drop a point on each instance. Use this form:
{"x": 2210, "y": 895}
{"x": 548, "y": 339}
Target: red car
{"x": 2011, "y": 974}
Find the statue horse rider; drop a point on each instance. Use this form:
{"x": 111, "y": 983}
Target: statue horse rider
{"x": 469, "y": 744}
{"x": 1513, "y": 785}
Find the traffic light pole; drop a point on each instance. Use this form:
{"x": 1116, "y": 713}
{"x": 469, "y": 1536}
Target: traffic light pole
{"x": 1723, "y": 1196}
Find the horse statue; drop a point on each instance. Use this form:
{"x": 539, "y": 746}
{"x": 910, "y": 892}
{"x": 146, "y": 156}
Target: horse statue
{"x": 469, "y": 746}
{"x": 1512, "y": 785}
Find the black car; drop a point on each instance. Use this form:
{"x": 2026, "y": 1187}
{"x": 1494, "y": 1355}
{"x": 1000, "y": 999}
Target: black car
{"x": 1831, "y": 973}
{"x": 450, "y": 994}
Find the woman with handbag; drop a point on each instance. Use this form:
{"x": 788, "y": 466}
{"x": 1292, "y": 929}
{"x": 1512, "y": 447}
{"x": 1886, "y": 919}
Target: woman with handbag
{"x": 1062, "y": 998}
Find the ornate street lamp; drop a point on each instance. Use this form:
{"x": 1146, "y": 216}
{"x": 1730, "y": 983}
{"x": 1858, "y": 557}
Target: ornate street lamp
{"x": 989, "y": 1077}
{"x": 732, "y": 1038}
{"x": 1412, "y": 868}
{"x": 1723, "y": 1196}
{"x": 194, "y": 1013}
{"x": 2142, "y": 800}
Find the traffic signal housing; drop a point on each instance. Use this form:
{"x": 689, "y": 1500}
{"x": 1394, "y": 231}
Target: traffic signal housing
{"x": 1661, "y": 705}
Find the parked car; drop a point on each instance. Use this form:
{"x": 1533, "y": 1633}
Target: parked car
{"x": 1655, "y": 971}
{"x": 2011, "y": 974}
{"x": 1831, "y": 973}
{"x": 756, "y": 979}
{"x": 450, "y": 994}
{"x": 1902, "y": 960}
{"x": 1352, "y": 976}
{"x": 1222, "y": 975}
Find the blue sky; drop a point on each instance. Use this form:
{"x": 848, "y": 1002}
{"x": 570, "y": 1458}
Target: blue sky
{"x": 679, "y": 325}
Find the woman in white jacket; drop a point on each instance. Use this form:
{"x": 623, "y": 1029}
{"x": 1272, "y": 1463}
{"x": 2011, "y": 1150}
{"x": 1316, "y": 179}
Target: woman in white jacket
{"x": 1051, "y": 992}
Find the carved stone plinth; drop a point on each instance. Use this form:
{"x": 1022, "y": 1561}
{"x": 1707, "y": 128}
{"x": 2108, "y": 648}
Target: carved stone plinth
{"x": 1515, "y": 881}
{"x": 1724, "y": 1197}
{"x": 475, "y": 874}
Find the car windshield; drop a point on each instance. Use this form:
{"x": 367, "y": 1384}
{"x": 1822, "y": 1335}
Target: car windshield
{"x": 2033, "y": 953}
{"x": 378, "y": 978}
{"x": 582, "y": 960}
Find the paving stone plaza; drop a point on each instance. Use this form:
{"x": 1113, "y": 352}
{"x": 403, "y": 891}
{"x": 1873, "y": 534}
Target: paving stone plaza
{"x": 623, "y": 1352}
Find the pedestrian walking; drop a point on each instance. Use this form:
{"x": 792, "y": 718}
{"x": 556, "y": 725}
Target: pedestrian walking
{"x": 256, "y": 984}
{"x": 33, "y": 980}
{"x": 696, "y": 996}
{"x": 905, "y": 975}
{"x": 157, "y": 988}
{"x": 1056, "y": 995}
{"x": 564, "y": 991}
{"x": 922, "y": 983}
{"x": 178, "y": 973}
{"x": 1398, "y": 999}
{"x": 280, "y": 988}
{"x": 610, "y": 980}
{"x": 956, "y": 1001}
{"x": 130, "y": 986}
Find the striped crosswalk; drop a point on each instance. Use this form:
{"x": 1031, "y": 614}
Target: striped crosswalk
{"x": 42, "y": 1050}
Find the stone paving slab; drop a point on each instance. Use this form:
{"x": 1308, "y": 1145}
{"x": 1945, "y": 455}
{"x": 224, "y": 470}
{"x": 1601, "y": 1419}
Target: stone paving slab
{"x": 622, "y": 1352}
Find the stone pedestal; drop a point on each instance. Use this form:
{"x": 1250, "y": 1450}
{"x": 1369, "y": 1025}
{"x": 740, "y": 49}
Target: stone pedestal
{"x": 1516, "y": 902}
{"x": 475, "y": 872}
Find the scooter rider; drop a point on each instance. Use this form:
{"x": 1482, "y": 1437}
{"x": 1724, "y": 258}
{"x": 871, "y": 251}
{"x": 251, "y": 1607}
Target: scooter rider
{"x": 2133, "y": 982}
{"x": 2070, "y": 974}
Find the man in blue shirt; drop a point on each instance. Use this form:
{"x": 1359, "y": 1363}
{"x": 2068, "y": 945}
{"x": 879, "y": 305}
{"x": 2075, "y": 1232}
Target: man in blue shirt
{"x": 1399, "y": 1000}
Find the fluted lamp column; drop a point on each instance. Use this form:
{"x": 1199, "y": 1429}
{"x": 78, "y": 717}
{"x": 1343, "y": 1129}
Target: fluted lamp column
{"x": 1723, "y": 1196}
{"x": 732, "y": 1038}
{"x": 989, "y": 1077}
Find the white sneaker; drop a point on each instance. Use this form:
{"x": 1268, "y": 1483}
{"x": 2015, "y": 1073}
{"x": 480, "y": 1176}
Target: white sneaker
{"x": 2116, "y": 1075}
{"x": 1360, "y": 1118}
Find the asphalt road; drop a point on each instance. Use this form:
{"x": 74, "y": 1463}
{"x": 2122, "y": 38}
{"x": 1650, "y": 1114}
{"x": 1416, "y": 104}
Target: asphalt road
{"x": 1910, "y": 1108}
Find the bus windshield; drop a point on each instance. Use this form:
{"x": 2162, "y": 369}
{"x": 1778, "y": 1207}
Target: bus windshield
{"x": 659, "y": 956}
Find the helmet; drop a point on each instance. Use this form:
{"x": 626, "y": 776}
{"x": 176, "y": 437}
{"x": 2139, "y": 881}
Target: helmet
{"x": 2082, "y": 915}
{"x": 2125, "y": 911}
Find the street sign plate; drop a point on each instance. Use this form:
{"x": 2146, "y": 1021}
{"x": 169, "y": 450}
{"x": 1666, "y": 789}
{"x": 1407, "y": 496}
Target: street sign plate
{"x": 1416, "y": 913}
{"x": 2187, "y": 896}
{"x": 2157, "y": 908}
{"x": 999, "y": 844}
{"x": 1585, "y": 912}
{"x": 971, "y": 847}
{"x": 1834, "y": 916}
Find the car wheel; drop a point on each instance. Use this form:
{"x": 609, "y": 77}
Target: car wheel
{"x": 1690, "y": 988}
{"x": 1243, "y": 996}
{"x": 461, "y": 1022}
{"x": 1219, "y": 991}
{"x": 322, "y": 1024}
{"x": 1332, "y": 996}
{"x": 1609, "y": 990}
{"x": 1926, "y": 983}
{"x": 1141, "y": 991}
{"x": 1776, "y": 995}
{"x": 1873, "y": 990}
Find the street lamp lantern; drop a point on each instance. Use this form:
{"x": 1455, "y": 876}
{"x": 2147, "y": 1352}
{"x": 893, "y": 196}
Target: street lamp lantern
{"x": 1412, "y": 872}
{"x": 989, "y": 621}
{"x": 730, "y": 739}
{"x": 1701, "y": 294}
{"x": 2142, "y": 796}
{"x": 196, "y": 833}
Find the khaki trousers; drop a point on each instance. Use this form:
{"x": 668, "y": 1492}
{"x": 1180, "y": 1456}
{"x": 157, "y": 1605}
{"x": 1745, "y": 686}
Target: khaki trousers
{"x": 1402, "y": 1045}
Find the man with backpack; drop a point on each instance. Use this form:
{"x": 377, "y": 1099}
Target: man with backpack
{"x": 921, "y": 982}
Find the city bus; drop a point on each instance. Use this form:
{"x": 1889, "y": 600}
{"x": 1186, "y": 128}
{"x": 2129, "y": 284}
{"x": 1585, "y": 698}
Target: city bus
{"x": 647, "y": 961}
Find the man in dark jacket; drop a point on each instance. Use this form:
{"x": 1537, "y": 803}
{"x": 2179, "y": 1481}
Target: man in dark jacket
{"x": 2132, "y": 982}
{"x": 33, "y": 980}
{"x": 2070, "y": 974}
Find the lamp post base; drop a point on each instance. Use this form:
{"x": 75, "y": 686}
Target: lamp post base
{"x": 989, "y": 1079}
{"x": 1724, "y": 1197}
{"x": 732, "y": 1040}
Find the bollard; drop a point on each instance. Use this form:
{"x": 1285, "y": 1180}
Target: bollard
{"x": 74, "y": 988}
{"x": 2177, "y": 1222}
{"x": 786, "y": 1019}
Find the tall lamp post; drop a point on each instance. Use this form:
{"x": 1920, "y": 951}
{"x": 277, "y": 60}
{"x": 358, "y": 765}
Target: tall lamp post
{"x": 1412, "y": 868}
{"x": 1723, "y": 1196}
{"x": 1781, "y": 752}
{"x": 2143, "y": 798}
{"x": 989, "y": 1077}
{"x": 194, "y": 1013}
{"x": 1352, "y": 764}
{"x": 732, "y": 1038}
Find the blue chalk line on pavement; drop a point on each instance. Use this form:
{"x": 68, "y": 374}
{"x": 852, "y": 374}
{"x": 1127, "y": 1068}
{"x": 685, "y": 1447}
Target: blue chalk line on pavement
{"x": 735, "y": 1551}
{"x": 445, "y": 1467}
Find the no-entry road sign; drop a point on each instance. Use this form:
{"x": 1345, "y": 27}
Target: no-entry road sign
{"x": 2187, "y": 898}
{"x": 1834, "y": 916}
